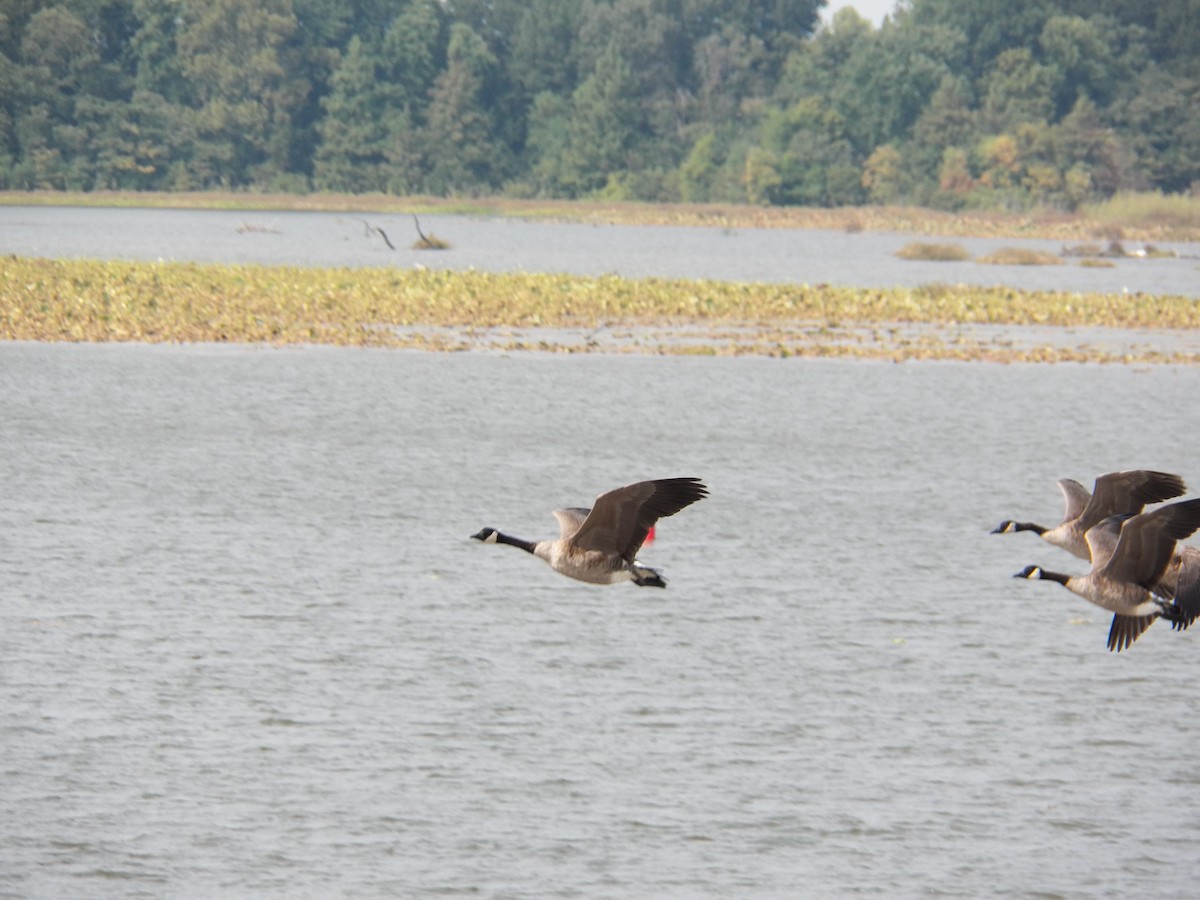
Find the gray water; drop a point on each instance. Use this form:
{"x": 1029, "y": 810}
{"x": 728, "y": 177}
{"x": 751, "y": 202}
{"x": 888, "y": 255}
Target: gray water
{"x": 865, "y": 259}
{"x": 248, "y": 649}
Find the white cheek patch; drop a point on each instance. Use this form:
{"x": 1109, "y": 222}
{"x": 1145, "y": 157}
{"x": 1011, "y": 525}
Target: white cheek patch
{"x": 491, "y": 538}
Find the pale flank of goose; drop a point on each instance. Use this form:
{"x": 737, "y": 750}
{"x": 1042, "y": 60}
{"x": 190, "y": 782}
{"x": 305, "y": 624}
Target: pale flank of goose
{"x": 600, "y": 545}
{"x": 1115, "y": 494}
{"x": 1129, "y": 556}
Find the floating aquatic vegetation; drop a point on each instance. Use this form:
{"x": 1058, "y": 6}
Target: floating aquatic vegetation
{"x": 933, "y": 252}
{"x": 57, "y": 300}
{"x": 1020, "y": 256}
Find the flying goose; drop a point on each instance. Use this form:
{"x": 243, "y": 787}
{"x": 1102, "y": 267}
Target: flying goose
{"x": 600, "y": 545}
{"x": 1117, "y": 493}
{"x": 1129, "y": 555}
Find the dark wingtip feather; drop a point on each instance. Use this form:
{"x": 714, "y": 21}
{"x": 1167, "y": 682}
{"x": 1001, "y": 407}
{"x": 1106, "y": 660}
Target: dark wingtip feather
{"x": 1161, "y": 486}
{"x": 1126, "y": 629}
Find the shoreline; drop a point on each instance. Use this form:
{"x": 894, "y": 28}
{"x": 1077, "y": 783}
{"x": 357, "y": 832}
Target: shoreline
{"x": 1042, "y": 224}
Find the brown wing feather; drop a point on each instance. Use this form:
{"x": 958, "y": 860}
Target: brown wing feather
{"x": 621, "y": 518}
{"x": 1147, "y": 541}
{"x": 1120, "y": 493}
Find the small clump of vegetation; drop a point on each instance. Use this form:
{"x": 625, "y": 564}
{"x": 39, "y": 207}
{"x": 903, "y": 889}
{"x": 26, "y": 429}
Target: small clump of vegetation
{"x": 928, "y": 252}
{"x": 1020, "y": 256}
{"x": 428, "y": 241}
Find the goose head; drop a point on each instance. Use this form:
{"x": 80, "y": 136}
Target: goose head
{"x": 487, "y": 535}
{"x": 1031, "y": 572}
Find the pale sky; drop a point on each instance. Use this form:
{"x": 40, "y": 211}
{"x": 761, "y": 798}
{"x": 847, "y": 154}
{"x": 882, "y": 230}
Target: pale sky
{"x": 871, "y": 10}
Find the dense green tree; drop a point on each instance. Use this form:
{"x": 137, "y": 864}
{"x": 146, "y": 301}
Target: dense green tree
{"x": 890, "y": 77}
{"x": 546, "y": 145}
{"x": 543, "y": 54}
{"x": 813, "y": 157}
{"x": 1013, "y": 102}
{"x": 462, "y": 155}
{"x": 819, "y": 66}
{"x": 727, "y": 68}
{"x": 990, "y": 27}
{"x": 1088, "y": 151}
{"x": 1017, "y": 89}
{"x": 948, "y": 120}
{"x": 1163, "y": 130}
{"x": 1081, "y": 59}
{"x": 414, "y": 52}
{"x": 153, "y": 47}
{"x": 60, "y": 59}
{"x": 605, "y": 119}
{"x": 355, "y": 134}
{"x": 699, "y": 170}
{"x": 779, "y": 26}
{"x": 236, "y": 57}
{"x": 646, "y": 42}
{"x": 9, "y": 80}
{"x": 883, "y": 175}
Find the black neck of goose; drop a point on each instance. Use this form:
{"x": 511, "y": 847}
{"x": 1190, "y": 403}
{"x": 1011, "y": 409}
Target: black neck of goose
{"x": 1053, "y": 576}
{"x": 1029, "y": 526}
{"x": 502, "y": 538}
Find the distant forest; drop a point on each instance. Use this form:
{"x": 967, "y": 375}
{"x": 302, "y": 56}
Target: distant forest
{"x": 950, "y": 104}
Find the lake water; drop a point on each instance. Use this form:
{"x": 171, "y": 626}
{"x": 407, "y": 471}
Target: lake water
{"x": 248, "y": 650}
{"x": 865, "y": 259}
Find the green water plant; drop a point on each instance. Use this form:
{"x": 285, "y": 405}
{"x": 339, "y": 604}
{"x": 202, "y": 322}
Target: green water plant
{"x": 80, "y": 300}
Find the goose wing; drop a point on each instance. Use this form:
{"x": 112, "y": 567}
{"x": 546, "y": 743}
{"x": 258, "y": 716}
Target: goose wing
{"x": 1075, "y": 498}
{"x": 1119, "y": 493}
{"x": 621, "y": 518}
{"x": 570, "y": 519}
{"x": 1102, "y": 539}
{"x": 1147, "y": 541}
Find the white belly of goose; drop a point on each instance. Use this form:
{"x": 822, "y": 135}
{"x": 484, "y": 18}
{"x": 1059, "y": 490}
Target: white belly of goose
{"x": 591, "y": 566}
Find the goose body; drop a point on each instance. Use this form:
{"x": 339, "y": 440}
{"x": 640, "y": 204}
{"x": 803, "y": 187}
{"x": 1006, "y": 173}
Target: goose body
{"x": 1129, "y": 557}
{"x": 600, "y": 545}
{"x": 1114, "y": 494}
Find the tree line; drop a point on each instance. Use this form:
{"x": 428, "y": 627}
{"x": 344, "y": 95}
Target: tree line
{"x": 949, "y": 104}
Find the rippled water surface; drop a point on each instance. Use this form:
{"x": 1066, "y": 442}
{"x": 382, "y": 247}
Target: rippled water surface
{"x": 865, "y": 259}
{"x": 247, "y": 649}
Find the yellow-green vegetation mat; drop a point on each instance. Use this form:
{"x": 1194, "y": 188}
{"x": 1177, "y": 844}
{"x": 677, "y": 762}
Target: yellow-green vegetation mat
{"x": 55, "y": 300}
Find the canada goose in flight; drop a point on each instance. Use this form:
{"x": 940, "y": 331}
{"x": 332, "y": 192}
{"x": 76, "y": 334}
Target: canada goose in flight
{"x": 1129, "y": 555}
{"x": 1115, "y": 494}
{"x": 600, "y": 545}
